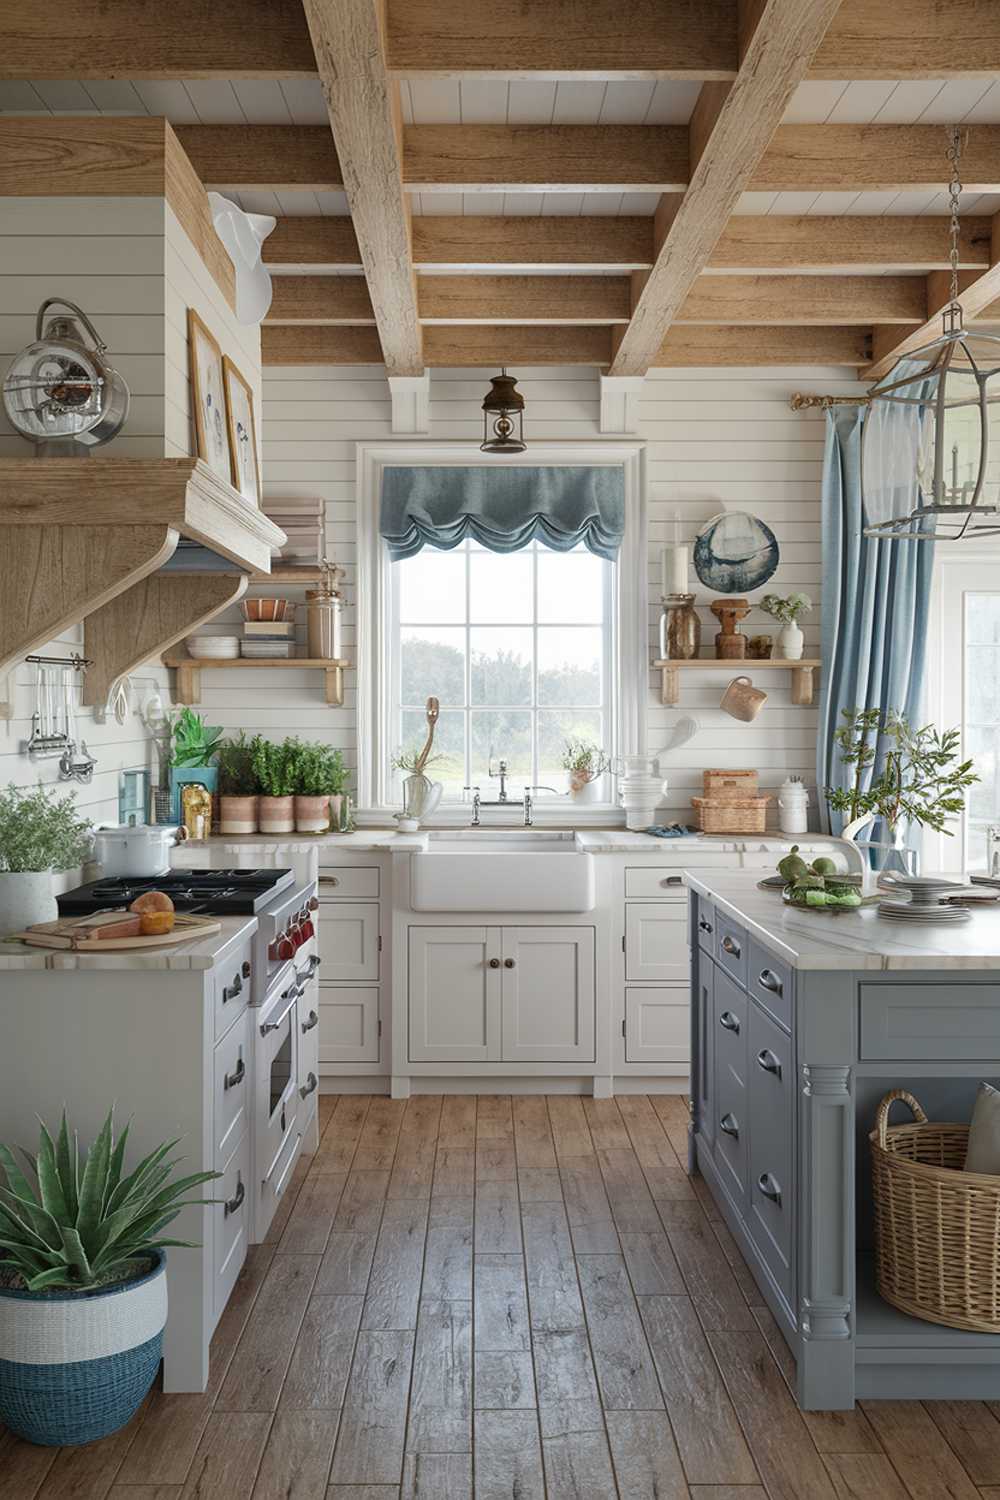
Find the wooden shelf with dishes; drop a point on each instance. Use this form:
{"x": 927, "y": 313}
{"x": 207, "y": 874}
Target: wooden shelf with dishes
{"x": 803, "y": 674}
{"x": 190, "y": 668}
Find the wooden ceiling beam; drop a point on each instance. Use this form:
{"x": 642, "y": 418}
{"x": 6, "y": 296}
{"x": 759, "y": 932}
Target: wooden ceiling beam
{"x": 545, "y": 158}
{"x": 320, "y": 299}
{"x": 590, "y": 242}
{"x": 263, "y": 156}
{"x": 730, "y": 129}
{"x": 850, "y": 346}
{"x": 899, "y": 39}
{"x": 875, "y": 158}
{"x": 804, "y": 301}
{"x": 363, "y": 104}
{"x": 776, "y": 242}
{"x": 548, "y": 300}
{"x": 320, "y": 346}
{"x": 301, "y": 244}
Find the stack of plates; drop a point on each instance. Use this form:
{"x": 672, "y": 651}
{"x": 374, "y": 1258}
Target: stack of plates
{"x": 929, "y": 901}
{"x": 261, "y": 648}
{"x": 213, "y": 647}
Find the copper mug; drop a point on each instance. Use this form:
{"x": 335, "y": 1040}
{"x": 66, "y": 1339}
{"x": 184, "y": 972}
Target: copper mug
{"x": 742, "y": 700}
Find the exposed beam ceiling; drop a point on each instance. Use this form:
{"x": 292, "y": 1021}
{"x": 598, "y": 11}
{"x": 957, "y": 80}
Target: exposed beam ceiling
{"x": 263, "y": 156}
{"x": 624, "y": 244}
{"x": 901, "y": 242}
{"x": 304, "y": 243}
{"x": 730, "y": 130}
{"x": 363, "y": 105}
{"x": 550, "y": 158}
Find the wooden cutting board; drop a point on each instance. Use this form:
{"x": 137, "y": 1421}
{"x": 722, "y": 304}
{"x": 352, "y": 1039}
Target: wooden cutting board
{"x": 79, "y": 933}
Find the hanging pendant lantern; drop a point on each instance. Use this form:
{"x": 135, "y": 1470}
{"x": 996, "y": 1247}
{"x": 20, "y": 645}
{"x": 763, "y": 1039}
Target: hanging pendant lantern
{"x": 925, "y": 437}
{"x": 503, "y": 416}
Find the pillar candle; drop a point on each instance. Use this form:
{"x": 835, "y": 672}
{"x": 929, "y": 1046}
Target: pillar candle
{"x": 675, "y": 570}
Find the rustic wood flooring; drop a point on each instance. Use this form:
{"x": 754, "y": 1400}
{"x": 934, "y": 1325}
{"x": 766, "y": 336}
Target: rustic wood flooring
{"x": 515, "y": 1299}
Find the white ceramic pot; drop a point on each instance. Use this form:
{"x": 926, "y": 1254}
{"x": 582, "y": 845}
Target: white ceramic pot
{"x": 641, "y": 790}
{"x": 140, "y": 850}
{"x": 581, "y": 790}
{"x": 790, "y": 642}
{"x": 276, "y": 814}
{"x": 25, "y": 898}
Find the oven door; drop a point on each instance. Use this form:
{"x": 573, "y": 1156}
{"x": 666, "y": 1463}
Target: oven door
{"x": 276, "y": 1072}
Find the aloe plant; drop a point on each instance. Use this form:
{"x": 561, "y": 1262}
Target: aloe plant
{"x": 77, "y": 1225}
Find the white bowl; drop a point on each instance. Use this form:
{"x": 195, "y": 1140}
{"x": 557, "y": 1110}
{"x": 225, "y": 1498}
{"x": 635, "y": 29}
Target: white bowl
{"x": 213, "y": 647}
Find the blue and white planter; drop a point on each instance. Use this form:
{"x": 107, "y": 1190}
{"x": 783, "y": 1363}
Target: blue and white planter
{"x": 75, "y": 1366}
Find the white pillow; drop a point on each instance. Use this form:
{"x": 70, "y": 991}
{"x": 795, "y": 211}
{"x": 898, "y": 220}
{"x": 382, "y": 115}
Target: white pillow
{"x": 983, "y": 1154}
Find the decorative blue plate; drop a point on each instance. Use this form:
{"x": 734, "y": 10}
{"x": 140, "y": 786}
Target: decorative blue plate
{"x": 734, "y": 553}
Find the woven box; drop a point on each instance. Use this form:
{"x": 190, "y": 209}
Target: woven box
{"x": 729, "y": 783}
{"x": 731, "y": 814}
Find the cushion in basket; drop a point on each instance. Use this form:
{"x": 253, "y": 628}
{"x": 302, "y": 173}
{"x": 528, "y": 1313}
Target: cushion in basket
{"x": 983, "y": 1154}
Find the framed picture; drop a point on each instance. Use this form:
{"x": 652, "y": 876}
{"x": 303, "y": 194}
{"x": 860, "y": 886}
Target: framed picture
{"x": 242, "y": 432}
{"x": 208, "y": 396}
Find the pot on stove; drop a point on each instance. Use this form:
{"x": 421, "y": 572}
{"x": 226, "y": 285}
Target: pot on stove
{"x": 139, "y": 849}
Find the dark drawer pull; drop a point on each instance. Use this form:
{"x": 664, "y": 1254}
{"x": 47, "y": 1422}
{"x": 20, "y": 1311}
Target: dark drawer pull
{"x": 769, "y": 981}
{"x": 311, "y": 1020}
{"x": 232, "y": 1204}
{"x": 311, "y": 1083}
{"x": 768, "y": 1062}
{"x": 729, "y": 1125}
{"x": 770, "y": 1187}
{"x": 731, "y": 946}
{"x": 704, "y": 926}
{"x": 729, "y": 1022}
{"x": 230, "y": 991}
{"x": 232, "y": 1079}
{"x": 672, "y": 880}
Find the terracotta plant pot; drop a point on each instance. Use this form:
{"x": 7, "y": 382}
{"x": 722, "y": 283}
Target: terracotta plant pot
{"x": 237, "y": 814}
{"x": 312, "y": 814}
{"x": 276, "y": 814}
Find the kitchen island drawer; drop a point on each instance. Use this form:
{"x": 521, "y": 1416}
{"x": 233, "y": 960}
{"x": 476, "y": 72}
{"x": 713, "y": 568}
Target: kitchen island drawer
{"x": 730, "y": 948}
{"x": 770, "y": 1090}
{"x": 231, "y": 1232}
{"x": 654, "y": 885}
{"x": 350, "y": 882}
{"x": 914, "y": 1022}
{"x": 232, "y": 988}
{"x": 730, "y": 1149}
{"x": 231, "y": 1067}
{"x": 730, "y": 1027}
{"x": 770, "y": 981}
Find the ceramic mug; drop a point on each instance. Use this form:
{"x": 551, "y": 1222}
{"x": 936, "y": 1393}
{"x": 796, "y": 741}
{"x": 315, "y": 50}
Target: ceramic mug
{"x": 742, "y": 700}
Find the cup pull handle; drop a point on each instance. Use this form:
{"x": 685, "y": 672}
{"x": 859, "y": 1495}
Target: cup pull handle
{"x": 770, "y": 981}
{"x": 770, "y": 1187}
{"x": 230, "y": 991}
{"x": 672, "y": 880}
{"x": 731, "y": 946}
{"x": 233, "y": 1203}
{"x": 704, "y": 926}
{"x": 311, "y": 1083}
{"x": 232, "y": 1079}
{"x": 729, "y": 1125}
{"x": 767, "y": 1061}
{"x": 729, "y": 1022}
{"x": 311, "y": 1020}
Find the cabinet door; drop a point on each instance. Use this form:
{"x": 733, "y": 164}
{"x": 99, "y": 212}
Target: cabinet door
{"x": 348, "y": 940}
{"x": 658, "y": 1024}
{"x": 548, "y": 994}
{"x": 454, "y": 994}
{"x": 348, "y": 1023}
{"x": 656, "y": 941}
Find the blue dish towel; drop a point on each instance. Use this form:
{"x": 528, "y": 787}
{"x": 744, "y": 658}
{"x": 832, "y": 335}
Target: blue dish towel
{"x": 671, "y": 831}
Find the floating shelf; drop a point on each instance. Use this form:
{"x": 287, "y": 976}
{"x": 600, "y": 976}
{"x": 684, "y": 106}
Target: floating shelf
{"x": 802, "y": 674}
{"x": 189, "y": 671}
{"x": 299, "y": 573}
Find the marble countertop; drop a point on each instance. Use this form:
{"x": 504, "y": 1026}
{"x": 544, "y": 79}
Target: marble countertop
{"x": 202, "y": 954}
{"x": 849, "y": 940}
{"x": 588, "y": 841}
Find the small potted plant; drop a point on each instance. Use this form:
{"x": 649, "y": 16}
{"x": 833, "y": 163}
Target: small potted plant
{"x": 195, "y": 744}
{"x": 83, "y": 1287}
{"x": 276, "y": 768}
{"x": 584, "y": 763}
{"x": 315, "y": 778}
{"x": 786, "y": 612}
{"x": 39, "y": 832}
{"x": 237, "y": 785}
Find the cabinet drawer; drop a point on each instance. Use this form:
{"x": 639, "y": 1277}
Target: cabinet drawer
{"x": 705, "y": 923}
{"x": 770, "y": 981}
{"x": 730, "y": 1030}
{"x": 231, "y": 1066}
{"x": 658, "y": 1024}
{"x": 349, "y": 940}
{"x": 231, "y": 1230}
{"x": 273, "y": 1187}
{"x": 348, "y": 1023}
{"x": 934, "y": 1022}
{"x": 350, "y": 882}
{"x": 731, "y": 947}
{"x": 656, "y": 941}
{"x": 654, "y": 885}
{"x": 769, "y": 1177}
{"x": 232, "y": 989}
{"x": 730, "y": 1148}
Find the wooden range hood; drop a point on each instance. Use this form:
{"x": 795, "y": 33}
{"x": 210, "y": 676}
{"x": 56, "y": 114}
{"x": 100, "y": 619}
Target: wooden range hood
{"x": 87, "y": 539}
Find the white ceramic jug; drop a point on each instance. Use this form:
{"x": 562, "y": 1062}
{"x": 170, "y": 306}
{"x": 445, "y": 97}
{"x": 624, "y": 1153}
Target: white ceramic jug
{"x": 420, "y": 797}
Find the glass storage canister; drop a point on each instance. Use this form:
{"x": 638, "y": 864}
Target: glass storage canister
{"x": 323, "y": 624}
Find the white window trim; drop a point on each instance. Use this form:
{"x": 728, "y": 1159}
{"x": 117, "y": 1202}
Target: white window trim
{"x": 627, "y": 704}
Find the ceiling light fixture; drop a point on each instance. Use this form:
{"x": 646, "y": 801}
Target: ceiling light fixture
{"x": 503, "y": 416}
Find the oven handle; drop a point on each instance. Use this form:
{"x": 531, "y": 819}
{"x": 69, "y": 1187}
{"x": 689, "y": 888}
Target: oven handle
{"x": 311, "y": 965}
{"x": 268, "y": 1026}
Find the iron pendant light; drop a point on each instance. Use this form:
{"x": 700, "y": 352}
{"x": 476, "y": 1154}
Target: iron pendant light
{"x": 925, "y": 437}
{"x": 61, "y": 393}
{"x": 503, "y": 416}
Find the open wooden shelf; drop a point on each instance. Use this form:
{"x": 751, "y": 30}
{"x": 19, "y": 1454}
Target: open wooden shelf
{"x": 302, "y": 574}
{"x": 802, "y": 673}
{"x": 189, "y": 670}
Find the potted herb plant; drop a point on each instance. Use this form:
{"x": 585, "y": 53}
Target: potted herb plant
{"x": 787, "y": 612}
{"x": 320, "y": 783}
{"x": 237, "y": 785}
{"x": 39, "y": 832}
{"x": 83, "y": 1288}
{"x": 276, "y": 767}
{"x": 584, "y": 763}
{"x": 195, "y": 745}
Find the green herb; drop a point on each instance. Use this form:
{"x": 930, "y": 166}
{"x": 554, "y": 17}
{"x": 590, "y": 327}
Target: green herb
{"x": 786, "y": 610}
{"x": 585, "y": 760}
{"x": 72, "y": 1224}
{"x": 236, "y": 772}
{"x": 321, "y": 771}
{"x": 406, "y": 760}
{"x": 912, "y": 775}
{"x": 40, "y": 831}
{"x": 276, "y": 767}
{"x": 195, "y": 742}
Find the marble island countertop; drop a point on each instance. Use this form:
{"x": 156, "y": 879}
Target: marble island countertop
{"x": 202, "y": 953}
{"x": 853, "y": 939}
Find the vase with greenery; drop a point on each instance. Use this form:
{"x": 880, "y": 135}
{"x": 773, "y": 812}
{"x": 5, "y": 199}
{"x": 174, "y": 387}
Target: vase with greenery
{"x": 901, "y": 776}
{"x": 787, "y": 611}
{"x": 195, "y": 746}
{"x": 276, "y": 767}
{"x": 584, "y": 763}
{"x": 83, "y": 1289}
{"x": 421, "y": 795}
{"x": 237, "y": 785}
{"x": 39, "y": 832}
{"x": 321, "y": 778}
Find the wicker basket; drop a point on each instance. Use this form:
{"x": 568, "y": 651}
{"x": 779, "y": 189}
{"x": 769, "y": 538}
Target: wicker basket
{"x": 731, "y": 814}
{"x": 729, "y": 783}
{"x": 937, "y": 1228}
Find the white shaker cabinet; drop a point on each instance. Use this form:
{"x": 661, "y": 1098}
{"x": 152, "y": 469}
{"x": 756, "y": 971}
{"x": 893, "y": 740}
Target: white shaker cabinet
{"x": 348, "y": 940}
{"x": 547, "y": 994}
{"x": 349, "y": 1023}
{"x": 656, "y": 941}
{"x": 454, "y": 983}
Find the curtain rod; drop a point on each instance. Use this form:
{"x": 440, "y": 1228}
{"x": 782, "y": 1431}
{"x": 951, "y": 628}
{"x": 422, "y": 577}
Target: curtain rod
{"x": 802, "y": 399}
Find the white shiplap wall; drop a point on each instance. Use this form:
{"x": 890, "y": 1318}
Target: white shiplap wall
{"x": 716, "y": 439}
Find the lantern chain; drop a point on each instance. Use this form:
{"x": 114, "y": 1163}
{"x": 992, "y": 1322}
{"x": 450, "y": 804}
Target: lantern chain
{"x": 954, "y": 200}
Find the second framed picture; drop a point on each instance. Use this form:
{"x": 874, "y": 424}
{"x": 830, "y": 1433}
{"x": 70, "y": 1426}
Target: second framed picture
{"x": 207, "y": 397}
{"x": 244, "y": 462}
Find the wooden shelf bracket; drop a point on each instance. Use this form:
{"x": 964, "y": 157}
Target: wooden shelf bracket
{"x": 803, "y": 675}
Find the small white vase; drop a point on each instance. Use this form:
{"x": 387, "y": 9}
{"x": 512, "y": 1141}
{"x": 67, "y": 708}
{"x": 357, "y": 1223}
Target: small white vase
{"x": 790, "y": 642}
{"x": 25, "y": 898}
{"x": 583, "y": 791}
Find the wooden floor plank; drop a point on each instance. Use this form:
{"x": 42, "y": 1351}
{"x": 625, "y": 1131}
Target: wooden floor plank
{"x": 361, "y": 1203}
{"x": 413, "y": 1167}
{"x": 651, "y": 1263}
{"x": 631, "y": 1202}
{"x": 23, "y": 1466}
{"x": 373, "y": 1422}
{"x": 972, "y": 1430}
{"x": 496, "y": 1161}
{"x": 738, "y": 1266}
{"x": 432, "y": 1476}
{"x": 568, "y": 1398}
{"x": 321, "y": 1360}
{"x": 504, "y": 1381}
{"x": 578, "y": 1467}
{"x": 539, "y": 1184}
{"x": 664, "y": 1172}
{"x": 568, "y": 1123}
{"x": 454, "y": 1171}
{"x": 296, "y": 1461}
{"x": 379, "y": 1135}
{"x": 228, "y": 1456}
{"x": 606, "y": 1126}
{"x": 363, "y": 1492}
{"x": 345, "y": 1267}
{"x": 625, "y": 1372}
{"x": 494, "y": 1118}
{"x": 457, "y": 1124}
{"x": 88, "y": 1473}
{"x": 339, "y": 1140}
{"x": 831, "y": 1431}
{"x": 583, "y": 1190}
{"x": 918, "y": 1452}
{"x": 865, "y": 1476}
{"x": 448, "y": 1260}
{"x": 508, "y": 1459}
{"x": 532, "y": 1133}
{"x": 440, "y": 1418}
{"x": 645, "y": 1456}
{"x": 498, "y": 1219}
{"x": 553, "y": 1291}
{"x": 394, "y": 1284}
{"x": 311, "y": 1220}
{"x": 501, "y": 1304}
{"x": 596, "y": 1237}
{"x": 288, "y": 1200}
{"x": 262, "y": 1358}
{"x": 140, "y": 1492}
{"x": 718, "y": 1301}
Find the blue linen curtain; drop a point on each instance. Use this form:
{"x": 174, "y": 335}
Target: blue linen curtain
{"x": 876, "y": 597}
{"x": 503, "y": 508}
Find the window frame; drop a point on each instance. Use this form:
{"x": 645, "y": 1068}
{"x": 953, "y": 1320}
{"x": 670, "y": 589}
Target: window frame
{"x": 628, "y": 665}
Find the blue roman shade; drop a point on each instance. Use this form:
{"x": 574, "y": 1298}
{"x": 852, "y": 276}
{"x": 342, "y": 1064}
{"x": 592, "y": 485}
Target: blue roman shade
{"x": 503, "y": 508}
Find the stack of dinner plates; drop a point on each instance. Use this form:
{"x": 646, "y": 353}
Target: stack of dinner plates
{"x": 928, "y": 899}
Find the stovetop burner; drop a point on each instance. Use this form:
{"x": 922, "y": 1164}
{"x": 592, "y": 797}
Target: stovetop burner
{"x": 219, "y": 892}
